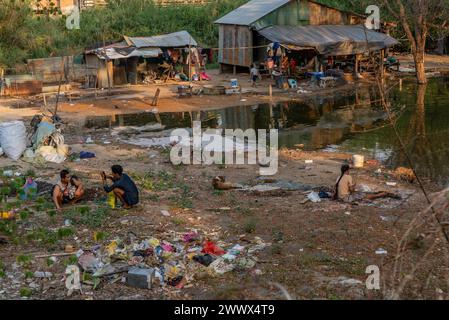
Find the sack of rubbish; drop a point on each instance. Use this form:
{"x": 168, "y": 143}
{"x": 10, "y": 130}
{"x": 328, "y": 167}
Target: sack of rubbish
{"x": 50, "y": 154}
{"x": 13, "y": 139}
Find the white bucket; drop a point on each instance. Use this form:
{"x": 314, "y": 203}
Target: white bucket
{"x": 358, "y": 160}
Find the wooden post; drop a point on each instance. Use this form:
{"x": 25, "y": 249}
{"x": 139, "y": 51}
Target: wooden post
{"x": 382, "y": 71}
{"x": 107, "y": 66}
{"x": 356, "y": 65}
{"x": 190, "y": 62}
{"x": 2, "y": 89}
{"x": 59, "y": 87}
{"x": 156, "y": 98}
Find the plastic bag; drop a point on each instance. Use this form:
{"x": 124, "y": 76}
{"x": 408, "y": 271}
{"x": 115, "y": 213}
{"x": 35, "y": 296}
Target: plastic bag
{"x": 314, "y": 197}
{"x": 13, "y": 139}
{"x": 50, "y": 154}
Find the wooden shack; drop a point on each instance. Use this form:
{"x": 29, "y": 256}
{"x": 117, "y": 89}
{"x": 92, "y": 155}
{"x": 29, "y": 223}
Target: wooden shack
{"x": 240, "y": 43}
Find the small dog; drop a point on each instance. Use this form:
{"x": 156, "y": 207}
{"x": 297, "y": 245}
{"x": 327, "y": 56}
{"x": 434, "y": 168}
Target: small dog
{"x": 219, "y": 183}
{"x": 405, "y": 174}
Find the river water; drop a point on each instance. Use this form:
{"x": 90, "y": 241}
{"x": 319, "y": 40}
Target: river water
{"x": 350, "y": 122}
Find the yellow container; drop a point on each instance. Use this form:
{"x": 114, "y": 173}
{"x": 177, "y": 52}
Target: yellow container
{"x": 111, "y": 200}
{"x": 6, "y": 215}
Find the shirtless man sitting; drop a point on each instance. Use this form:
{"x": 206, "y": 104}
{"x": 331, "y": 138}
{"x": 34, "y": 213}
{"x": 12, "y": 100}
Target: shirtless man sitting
{"x": 60, "y": 191}
{"x": 69, "y": 190}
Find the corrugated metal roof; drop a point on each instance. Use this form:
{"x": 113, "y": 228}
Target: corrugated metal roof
{"x": 172, "y": 40}
{"x": 251, "y": 12}
{"x": 330, "y": 39}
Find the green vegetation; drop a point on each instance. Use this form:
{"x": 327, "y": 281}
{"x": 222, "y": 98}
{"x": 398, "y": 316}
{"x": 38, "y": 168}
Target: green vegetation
{"x": 250, "y": 225}
{"x": 26, "y": 292}
{"x": 2, "y": 270}
{"x": 25, "y": 35}
{"x": 92, "y": 217}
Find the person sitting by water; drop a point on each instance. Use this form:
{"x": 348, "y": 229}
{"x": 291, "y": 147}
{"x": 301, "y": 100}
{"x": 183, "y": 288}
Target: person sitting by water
{"x": 345, "y": 189}
{"x": 76, "y": 190}
{"x": 60, "y": 191}
{"x": 123, "y": 187}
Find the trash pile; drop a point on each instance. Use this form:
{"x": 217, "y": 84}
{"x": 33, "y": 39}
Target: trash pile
{"x": 175, "y": 263}
{"x": 44, "y": 144}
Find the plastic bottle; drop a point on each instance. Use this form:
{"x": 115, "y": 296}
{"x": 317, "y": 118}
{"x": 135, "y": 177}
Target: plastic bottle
{"x": 111, "y": 200}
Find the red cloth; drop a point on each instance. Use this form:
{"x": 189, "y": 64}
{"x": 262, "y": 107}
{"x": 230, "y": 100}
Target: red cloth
{"x": 293, "y": 64}
{"x": 211, "y": 248}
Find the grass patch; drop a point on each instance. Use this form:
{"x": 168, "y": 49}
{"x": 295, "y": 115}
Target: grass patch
{"x": 244, "y": 210}
{"x": 353, "y": 267}
{"x": 178, "y": 221}
{"x": 26, "y": 292}
{"x": 91, "y": 217}
{"x": 2, "y": 270}
{"x": 71, "y": 260}
{"x": 28, "y": 274}
{"x": 276, "y": 248}
{"x": 24, "y": 260}
{"x": 250, "y": 225}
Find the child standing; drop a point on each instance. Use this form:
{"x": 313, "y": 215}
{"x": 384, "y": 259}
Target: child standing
{"x": 254, "y": 75}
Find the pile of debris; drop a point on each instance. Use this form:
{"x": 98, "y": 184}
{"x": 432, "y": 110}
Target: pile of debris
{"x": 175, "y": 262}
{"x": 44, "y": 143}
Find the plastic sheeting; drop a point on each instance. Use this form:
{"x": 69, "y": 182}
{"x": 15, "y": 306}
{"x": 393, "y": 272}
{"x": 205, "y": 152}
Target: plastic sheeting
{"x": 333, "y": 40}
{"x": 178, "y": 39}
{"x": 116, "y": 53}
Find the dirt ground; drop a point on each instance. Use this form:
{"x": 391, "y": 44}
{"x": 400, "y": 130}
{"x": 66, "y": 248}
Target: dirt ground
{"x": 318, "y": 250}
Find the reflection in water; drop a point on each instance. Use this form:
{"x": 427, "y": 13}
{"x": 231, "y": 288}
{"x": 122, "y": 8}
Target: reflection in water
{"x": 424, "y": 127}
{"x": 354, "y": 120}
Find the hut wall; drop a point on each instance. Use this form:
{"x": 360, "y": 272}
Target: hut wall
{"x": 322, "y": 15}
{"x": 233, "y": 37}
{"x": 303, "y": 12}
{"x": 93, "y": 62}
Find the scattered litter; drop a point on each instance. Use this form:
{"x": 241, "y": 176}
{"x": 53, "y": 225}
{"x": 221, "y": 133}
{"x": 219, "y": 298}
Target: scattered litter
{"x": 8, "y": 173}
{"x": 212, "y": 248}
{"x": 86, "y": 155}
{"x": 392, "y": 184}
{"x": 314, "y": 197}
{"x": 165, "y": 213}
{"x": 388, "y": 218}
{"x": 89, "y": 262}
{"x": 308, "y": 161}
{"x": 347, "y": 213}
{"x": 381, "y": 251}
{"x": 140, "y": 278}
{"x": 205, "y": 260}
{"x": 42, "y": 274}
